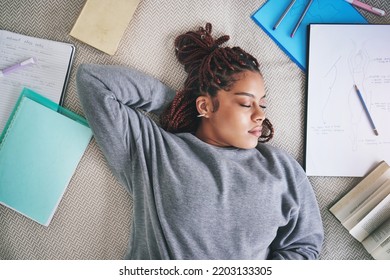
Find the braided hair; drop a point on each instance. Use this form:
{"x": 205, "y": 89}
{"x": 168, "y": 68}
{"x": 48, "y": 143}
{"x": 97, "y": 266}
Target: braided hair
{"x": 210, "y": 68}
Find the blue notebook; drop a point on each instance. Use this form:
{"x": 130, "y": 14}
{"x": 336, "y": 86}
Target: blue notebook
{"x": 320, "y": 11}
{"x": 40, "y": 148}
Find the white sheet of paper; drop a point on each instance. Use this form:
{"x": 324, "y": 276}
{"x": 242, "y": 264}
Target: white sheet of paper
{"x": 340, "y": 140}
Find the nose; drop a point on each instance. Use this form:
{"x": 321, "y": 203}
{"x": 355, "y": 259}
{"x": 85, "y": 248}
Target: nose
{"x": 258, "y": 115}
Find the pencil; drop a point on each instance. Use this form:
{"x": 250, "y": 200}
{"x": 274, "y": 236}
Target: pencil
{"x": 366, "y": 110}
{"x": 284, "y": 14}
{"x": 301, "y": 18}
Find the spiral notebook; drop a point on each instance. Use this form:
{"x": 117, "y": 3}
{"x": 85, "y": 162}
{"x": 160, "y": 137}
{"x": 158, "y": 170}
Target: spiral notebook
{"x": 40, "y": 148}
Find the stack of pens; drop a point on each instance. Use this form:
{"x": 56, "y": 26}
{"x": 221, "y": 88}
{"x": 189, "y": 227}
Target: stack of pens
{"x": 300, "y": 18}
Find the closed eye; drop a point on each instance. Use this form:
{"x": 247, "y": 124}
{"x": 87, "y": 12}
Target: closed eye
{"x": 248, "y": 106}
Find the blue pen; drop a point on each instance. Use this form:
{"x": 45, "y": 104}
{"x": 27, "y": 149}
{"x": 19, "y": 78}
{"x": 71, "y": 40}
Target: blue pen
{"x": 16, "y": 66}
{"x": 366, "y": 110}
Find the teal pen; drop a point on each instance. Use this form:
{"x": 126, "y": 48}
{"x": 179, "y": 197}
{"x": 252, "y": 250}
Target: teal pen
{"x": 366, "y": 110}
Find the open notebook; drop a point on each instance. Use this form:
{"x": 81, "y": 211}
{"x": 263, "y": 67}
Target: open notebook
{"x": 48, "y": 76}
{"x": 40, "y": 148}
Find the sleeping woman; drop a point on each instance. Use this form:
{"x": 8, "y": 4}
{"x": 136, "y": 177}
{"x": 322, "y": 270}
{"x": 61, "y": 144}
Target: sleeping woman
{"x": 205, "y": 185}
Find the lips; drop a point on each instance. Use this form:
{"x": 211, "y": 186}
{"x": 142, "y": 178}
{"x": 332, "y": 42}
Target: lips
{"x": 256, "y": 131}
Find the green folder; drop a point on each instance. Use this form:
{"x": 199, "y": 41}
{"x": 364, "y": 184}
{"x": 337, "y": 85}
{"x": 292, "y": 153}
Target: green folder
{"x": 40, "y": 148}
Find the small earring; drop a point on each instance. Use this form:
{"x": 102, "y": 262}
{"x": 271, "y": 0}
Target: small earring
{"x": 201, "y": 115}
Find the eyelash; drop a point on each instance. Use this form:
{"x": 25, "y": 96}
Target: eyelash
{"x": 248, "y": 106}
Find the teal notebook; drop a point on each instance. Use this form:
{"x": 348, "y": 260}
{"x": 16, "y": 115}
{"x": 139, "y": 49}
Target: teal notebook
{"x": 40, "y": 148}
{"x": 320, "y": 11}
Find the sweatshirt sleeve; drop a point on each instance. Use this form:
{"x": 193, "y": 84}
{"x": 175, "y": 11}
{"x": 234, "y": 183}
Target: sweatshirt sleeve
{"x": 302, "y": 237}
{"x": 111, "y": 97}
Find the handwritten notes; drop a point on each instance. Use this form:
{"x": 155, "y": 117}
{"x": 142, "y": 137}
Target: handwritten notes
{"x": 48, "y": 76}
{"x": 340, "y": 140}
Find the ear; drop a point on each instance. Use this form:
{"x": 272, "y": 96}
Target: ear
{"x": 204, "y": 105}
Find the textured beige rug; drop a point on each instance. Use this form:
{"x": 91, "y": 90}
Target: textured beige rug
{"x": 93, "y": 220}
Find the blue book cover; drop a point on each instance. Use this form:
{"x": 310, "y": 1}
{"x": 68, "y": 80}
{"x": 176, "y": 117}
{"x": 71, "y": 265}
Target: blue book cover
{"x": 320, "y": 11}
{"x": 40, "y": 149}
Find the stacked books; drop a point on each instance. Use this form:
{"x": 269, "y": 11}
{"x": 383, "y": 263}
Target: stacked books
{"x": 41, "y": 143}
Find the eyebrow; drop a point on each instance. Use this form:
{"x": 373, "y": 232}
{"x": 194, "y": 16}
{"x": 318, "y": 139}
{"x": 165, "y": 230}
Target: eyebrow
{"x": 248, "y": 94}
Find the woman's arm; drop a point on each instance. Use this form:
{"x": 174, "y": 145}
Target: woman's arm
{"x": 110, "y": 96}
{"x": 302, "y": 236}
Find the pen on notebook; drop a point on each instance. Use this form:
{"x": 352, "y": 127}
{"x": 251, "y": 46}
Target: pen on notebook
{"x": 301, "y": 18}
{"x": 366, "y": 110}
{"x": 16, "y": 66}
{"x": 366, "y": 7}
{"x": 284, "y": 14}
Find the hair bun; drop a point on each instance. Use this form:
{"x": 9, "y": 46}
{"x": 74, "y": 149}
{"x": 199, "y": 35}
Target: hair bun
{"x": 193, "y": 46}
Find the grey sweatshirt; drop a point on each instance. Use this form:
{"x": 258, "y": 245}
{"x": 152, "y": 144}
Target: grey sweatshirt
{"x": 193, "y": 200}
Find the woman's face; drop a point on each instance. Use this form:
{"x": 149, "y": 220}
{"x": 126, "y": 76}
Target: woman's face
{"x": 237, "y": 122}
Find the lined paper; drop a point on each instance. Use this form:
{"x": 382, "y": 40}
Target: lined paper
{"x": 48, "y": 75}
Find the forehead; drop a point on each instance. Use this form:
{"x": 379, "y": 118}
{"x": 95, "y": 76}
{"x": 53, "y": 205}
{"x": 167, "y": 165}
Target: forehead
{"x": 248, "y": 82}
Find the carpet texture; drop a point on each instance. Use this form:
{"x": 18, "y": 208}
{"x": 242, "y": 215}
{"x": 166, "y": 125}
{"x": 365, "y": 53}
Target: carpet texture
{"x": 93, "y": 220}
